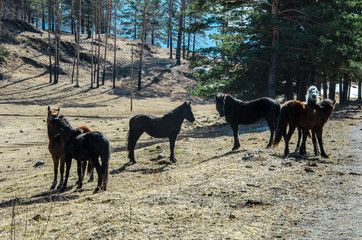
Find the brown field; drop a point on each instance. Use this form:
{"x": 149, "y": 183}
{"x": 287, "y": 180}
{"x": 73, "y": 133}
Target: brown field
{"x": 210, "y": 193}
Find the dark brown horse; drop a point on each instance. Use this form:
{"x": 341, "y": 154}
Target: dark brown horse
{"x": 297, "y": 114}
{"x": 56, "y": 150}
{"x": 90, "y": 146}
{"x": 159, "y": 127}
{"x": 248, "y": 112}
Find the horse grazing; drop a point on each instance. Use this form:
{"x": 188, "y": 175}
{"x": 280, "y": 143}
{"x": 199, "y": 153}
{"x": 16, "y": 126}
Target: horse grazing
{"x": 312, "y": 97}
{"x": 82, "y": 147}
{"x": 56, "y": 150}
{"x": 239, "y": 112}
{"x": 159, "y": 127}
{"x": 297, "y": 114}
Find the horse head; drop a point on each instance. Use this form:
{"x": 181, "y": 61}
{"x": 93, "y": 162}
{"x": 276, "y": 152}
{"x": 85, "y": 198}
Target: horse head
{"x": 219, "y": 99}
{"x": 312, "y": 94}
{"x": 53, "y": 112}
{"x": 188, "y": 112}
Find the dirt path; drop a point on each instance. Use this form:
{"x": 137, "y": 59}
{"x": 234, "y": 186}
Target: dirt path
{"x": 338, "y": 213}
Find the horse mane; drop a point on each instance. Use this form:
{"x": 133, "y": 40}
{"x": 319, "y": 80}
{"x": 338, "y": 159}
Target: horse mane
{"x": 63, "y": 127}
{"x": 174, "y": 112}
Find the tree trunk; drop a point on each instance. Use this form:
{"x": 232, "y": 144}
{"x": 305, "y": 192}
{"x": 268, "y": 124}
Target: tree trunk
{"x": 170, "y": 26}
{"x": 92, "y": 50}
{"x": 49, "y": 43}
{"x": 179, "y": 35}
{"x": 99, "y": 42}
{"x": 106, "y": 44}
{"x": 115, "y": 44}
{"x": 272, "y": 78}
{"x": 1, "y": 14}
{"x": 332, "y": 90}
{"x": 142, "y": 46}
{"x": 325, "y": 87}
{"x": 359, "y": 89}
{"x": 78, "y": 40}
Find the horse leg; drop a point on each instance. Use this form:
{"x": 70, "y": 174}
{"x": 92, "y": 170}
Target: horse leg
{"x": 287, "y": 139}
{"x": 316, "y": 152}
{"x": 236, "y": 136}
{"x": 299, "y": 137}
{"x": 302, "y": 149}
{"x": 172, "y": 148}
{"x": 132, "y": 140}
{"x": 55, "y": 165}
{"x": 80, "y": 167}
{"x": 61, "y": 170}
{"x": 97, "y": 166}
{"x": 90, "y": 171}
{"x": 68, "y": 162}
{"x": 272, "y": 130}
{"x": 320, "y": 141}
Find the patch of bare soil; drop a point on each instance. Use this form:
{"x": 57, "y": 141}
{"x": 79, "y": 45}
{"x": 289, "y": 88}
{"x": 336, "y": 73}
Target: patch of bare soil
{"x": 210, "y": 193}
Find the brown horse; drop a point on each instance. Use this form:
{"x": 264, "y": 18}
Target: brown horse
{"x": 297, "y": 114}
{"x": 56, "y": 149}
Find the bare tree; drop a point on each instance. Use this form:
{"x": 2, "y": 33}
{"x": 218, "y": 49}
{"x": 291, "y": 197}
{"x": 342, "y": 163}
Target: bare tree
{"x": 49, "y": 42}
{"x": 78, "y": 40}
{"x": 115, "y": 44}
{"x": 142, "y": 45}
{"x": 106, "y": 43}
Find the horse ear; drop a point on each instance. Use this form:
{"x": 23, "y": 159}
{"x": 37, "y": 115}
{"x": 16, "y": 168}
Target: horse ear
{"x": 220, "y": 96}
{"x": 48, "y": 108}
{"x": 189, "y": 103}
{"x": 58, "y": 109}
{"x": 334, "y": 102}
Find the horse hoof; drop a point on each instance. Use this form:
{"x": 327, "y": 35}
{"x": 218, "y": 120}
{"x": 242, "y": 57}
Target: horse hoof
{"x": 52, "y": 186}
{"x": 97, "y": 190}
{"x": 174, "y": 160}
{"x": 325, "y": 155}
{"x": 62, "y": 190}
{"x": 59, "y": 186}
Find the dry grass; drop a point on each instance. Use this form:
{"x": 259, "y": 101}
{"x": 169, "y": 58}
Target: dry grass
{"x": 210, "y": 193}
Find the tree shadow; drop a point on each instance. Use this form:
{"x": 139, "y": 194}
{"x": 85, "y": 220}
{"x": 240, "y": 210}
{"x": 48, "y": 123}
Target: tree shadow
{"x": 44, "y": 197}
{"x": 143, "y": 170}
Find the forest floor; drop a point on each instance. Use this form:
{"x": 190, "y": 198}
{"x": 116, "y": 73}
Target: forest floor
{"x": 210, "y": 193}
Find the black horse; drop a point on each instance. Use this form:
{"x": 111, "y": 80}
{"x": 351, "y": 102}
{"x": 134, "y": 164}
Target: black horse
{"x": 239, "y": 112}
{"x": 82, "y": 147}
{"x": 159, "y": 127}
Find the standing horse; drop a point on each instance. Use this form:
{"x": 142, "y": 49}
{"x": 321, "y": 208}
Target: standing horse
{"x": 239, "y": 112}
{"x": 297, "y": 114}
{"x": 159, "y": 127}
{"x": 312, "y": 97}
{"x": 82, "y": 147}
{"x": 56, "y": 150}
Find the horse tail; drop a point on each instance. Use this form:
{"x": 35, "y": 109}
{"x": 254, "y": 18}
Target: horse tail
{"x": 105, "y": 156}
{"x": 282, "y": 125}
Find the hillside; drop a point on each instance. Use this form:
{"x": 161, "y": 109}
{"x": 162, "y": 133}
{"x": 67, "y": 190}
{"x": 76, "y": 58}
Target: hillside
{"x": 210, "y": 193}
{"x": 28, "y": 59}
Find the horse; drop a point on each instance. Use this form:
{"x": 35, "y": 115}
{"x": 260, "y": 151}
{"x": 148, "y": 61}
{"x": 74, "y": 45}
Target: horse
{"x": 88, "y": 146}
{"x": 57, "y": 152}
{"x": 248, "y": 112}
{"x": 312, "y": 97}
{"x": 168, "y": 126}
{"x": 297, "y": 114}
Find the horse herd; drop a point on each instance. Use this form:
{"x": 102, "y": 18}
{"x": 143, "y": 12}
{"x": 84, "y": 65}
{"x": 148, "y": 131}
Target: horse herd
{"x": 88, "y": 146}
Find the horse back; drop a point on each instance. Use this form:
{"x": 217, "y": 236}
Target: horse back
{"x": 158, "y": 127}
{"x": 249, "y": 112}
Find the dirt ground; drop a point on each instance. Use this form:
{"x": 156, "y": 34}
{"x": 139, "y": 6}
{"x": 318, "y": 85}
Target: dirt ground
{"x": 210, "y": 193}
